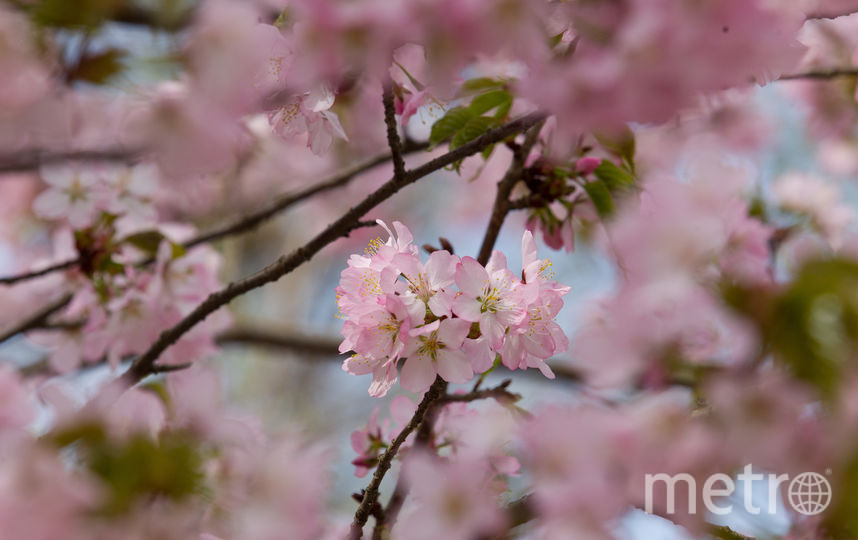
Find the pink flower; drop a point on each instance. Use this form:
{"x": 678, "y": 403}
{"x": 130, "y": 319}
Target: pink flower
{"x": 587, "y": 164}
{"x": 367, "y": 443}
{"x": 453, "y": 500}
{"x": 489, "y": 299}
{"x": 435, "y": 348}
{"x": 379, "y": 339}
{"x": 309, "y": 113}
{"x": 426, "y": 283}
{"x": 74, "y": 194}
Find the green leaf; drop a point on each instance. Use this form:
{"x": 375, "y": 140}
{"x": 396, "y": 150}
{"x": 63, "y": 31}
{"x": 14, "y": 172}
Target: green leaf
{"x": 813, "y": 327}
{"x": 450, "y": 124}
{"x": 500, "y": 99}
{"x": 621, "y": 144}
{"x": 615, "y": 178}
{"x": 99, "y": 68}
{"x": 472, "y": 129}
{"x": 140, "y": 468}
{"x": 601, "y": 197}
{"x": 147, "y": 241}
{"x": 73, "y": 14}
{"x": 480, "y": 84}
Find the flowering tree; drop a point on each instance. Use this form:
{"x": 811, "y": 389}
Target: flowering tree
{"x": 149, "y": 149}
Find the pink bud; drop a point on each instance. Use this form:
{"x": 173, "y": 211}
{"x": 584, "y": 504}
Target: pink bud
{"x": 588, "y": 164}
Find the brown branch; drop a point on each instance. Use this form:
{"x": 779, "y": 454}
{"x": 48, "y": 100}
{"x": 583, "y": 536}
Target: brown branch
{"x": 312, "y": 346}
{"x": 31, "y": 160}
{"x": 829, "y": 15}
{"x": 499, "y": 393}
{"x": 822, "y": 74}
{"x": 341, "y": 227}
{"x": 36, "y": 319}
{"x": 370, "y": 496}
{"x": 424, "y": 434}
{"x": 32, "y": 274}
{"x": 393, "y": 132}
{"x": 251, "y": 221}
{"x": 319, "y": 346}
{"x": 337, "y": 180}
{"x": 502, "y": 204}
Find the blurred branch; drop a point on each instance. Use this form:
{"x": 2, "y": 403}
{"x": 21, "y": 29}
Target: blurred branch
{"x": 320, "y": 346}
{"x": 130, "y": 13}
{"x": 829, "y": 15}
{"x": 32, "y": 274}
{"x": 311, "y": 345}
{"x": 339, "y": 179}
{"x": 31, "y": 160}
{"x": 144, "y": 364}
{"x": 251, "y": 221}
{"x": 498, "y": 393}
{"x": 823, "y": 74}
{"x": 36, "y": 319}
{"x": 723, "y": 532}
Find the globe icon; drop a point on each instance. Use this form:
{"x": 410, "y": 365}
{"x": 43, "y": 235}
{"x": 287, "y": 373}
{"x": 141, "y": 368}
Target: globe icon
{"x": 809, "y": 493}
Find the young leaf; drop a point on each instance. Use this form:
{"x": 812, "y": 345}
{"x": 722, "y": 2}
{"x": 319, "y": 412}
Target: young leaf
{"x": 601, "y": 198}
{"x": 449, "y": 125}
{"x": 471, "y": 130}
{"x": 147, "y": 241}
{"x": 500, "y": 99}
{"x": 98, "y": 68}
{"x": 615, "y": 178}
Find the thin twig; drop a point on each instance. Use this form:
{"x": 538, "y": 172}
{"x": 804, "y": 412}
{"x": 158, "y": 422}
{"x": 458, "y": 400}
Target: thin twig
{"x": 498, "y": 393}
{"x": 370, "y": 497}
{"x": 31, "y": 160}
{"x": 337, "y": 180}
{"x": 424, "y": 434}
{"x": 318, "y": 346}
{"x": 36, "y": 319}
{"x": 829, "y": 15}
{"x": 341, "y": 227}
{"x": 393, "y": 132}
{"x": 32, "y": 274}
{"x": 311, "y": 347}
{"x": 501, "y": 205}
{"x": 822, "y": 74}
{"x": 251, "y": 221}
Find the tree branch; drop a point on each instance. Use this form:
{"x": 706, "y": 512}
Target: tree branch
{"x": 36, "y": 319}
{"x": 30, "y": 160}
{"x": 424, "y": 434}
{"x": 321, "y": 346}
{"x": 502, "y": 204}
{"x": 143, "y": 365}
{"x": 370, "y": 496}
{"x": 499, "y": 393}
{"x": 251, "y": 221}
{"x": 337, "y": 180}
{"x": 829, "y": 15}
{"x": 393, "y": 132}
{"x": 823, "y": 74}
{"x": 32, "y": 274}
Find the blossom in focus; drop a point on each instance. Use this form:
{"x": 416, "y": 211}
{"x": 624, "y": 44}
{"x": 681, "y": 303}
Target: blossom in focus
{"x": 400, "y": 310}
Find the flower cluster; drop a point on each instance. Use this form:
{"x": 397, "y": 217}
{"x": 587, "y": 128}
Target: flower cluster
{"x": 399, "y": 308}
